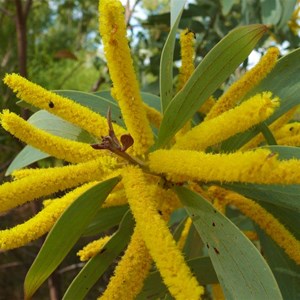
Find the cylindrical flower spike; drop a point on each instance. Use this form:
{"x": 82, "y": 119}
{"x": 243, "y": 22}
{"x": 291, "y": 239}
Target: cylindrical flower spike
{"x": 213, "y": 131}
{"x": 56, "y": 146}
{"x": 288, "y": 130}
{"x": 184, "y": 233}
{"x": 158, "y": 239}
{"x": 126, "y": 91}
{"x": 241, "y": 87}
{"x": 264, "y": 220}
{"x": 41, "y": 223}
{"x": 60, "y": 106}
{"x": 184, "y": 165}
{"x": 131, "y": 271}
{"x": 92, "y": 248}
{"x": 187, "y": 44}
{"x": 48, "y": 181}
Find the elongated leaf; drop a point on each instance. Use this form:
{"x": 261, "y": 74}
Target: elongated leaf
{"x": 285, "y": 196}
{"x": 52, "y": 124}
{"x": 150, "y": 99}
{"x": 287, "y": 10}
{"x": 106, "y": 218}
{"x": 201, "y": 267}
{"x": 65, "y": 233}
{"x": 283, "y": 82}
{"x": 96, "y": 266}
{"x": 242, "y": 271}
{"x": 96, "y": 103}
{"x": 166, "y": 61}
{"x": 270, "y": 11}
{"x": 285, "y": 270}
{"x": 176, "y": 10}
{"x": 218, "y": 64}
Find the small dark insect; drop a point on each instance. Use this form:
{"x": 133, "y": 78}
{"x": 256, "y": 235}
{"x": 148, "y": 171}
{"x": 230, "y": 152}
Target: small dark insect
{"x": 291, "y": 128}
{"x": 216, "y": 250}
{"x": 214, "y": 224}
{"x": 207, "y": 246}
{"x": 160, "y": 212}
{"x": 51, "y": 104}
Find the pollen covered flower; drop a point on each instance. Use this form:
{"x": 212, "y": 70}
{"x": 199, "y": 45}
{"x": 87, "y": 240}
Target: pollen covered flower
{"x": 158, "y": 238}
{"x": 239, "y": 119}
{"x": 125, "y": 85}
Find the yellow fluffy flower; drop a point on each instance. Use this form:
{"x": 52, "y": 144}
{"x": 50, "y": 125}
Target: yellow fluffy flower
{"x": 126, "y": 90}
{"x": 92, "y": 248}
{"x": 60, "y": 106}
{"x": 183, "y": 165}
{"x": 39, "y": 224}
{"x": 187, "y": 44}
{"x": 162, "y": 247}
{"x": 131, "y": 271}
{"x": 242, "y": 86}
{"x": 56, "y": 146}
{"x": 48, "y": 181}
{"x": 213, "y": 131}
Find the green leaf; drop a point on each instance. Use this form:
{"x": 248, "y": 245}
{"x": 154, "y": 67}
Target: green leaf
{"x": 176, "y": 10}
{"x": 52, "y": 124}
{"x": 166, "y": 61}
{"x": 97, "y": 265}
{"x": 284, "y": 269}
{"x": 65, "y": 233}
{"x": 242, "y": 271}
{"x": 150, "y": 99}
{"x": 227, "y": 6}
{"x": 96, "y": 103}
{"x": 217, "y": 65}
{"x": 284, "y": 83}
{"x": 287, "y": 196}
{"x": 201, "y": 267}
{"x": 106, "y": 218}
{"x": 284, "y": 196}
{"x": 270, "y": 11}
{"x": 287, "y": 10}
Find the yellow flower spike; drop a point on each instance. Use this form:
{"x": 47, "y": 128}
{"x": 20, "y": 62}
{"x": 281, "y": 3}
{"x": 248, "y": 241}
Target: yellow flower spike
{"x": 251, "y": 235}
{"x": 131, "y": 271}
{"x": 273, "y": 127}
{"x": 153, "y": 116}
{"x": 187, "y": 44}
{"x": 126, "y": 90}
{"x": 158, "y": 239}
{"x": 41, "y": 223}
{"x": 239, "y": 119}
{"x": 184, "y": 233}
{"x": 115, "y": 199}
{"x": 207, "y": 105}
{"x": 60, "y": 106}
{"x": 56, "y": 146}
{"x": 92, "y": 248}
{"x": 241, "y": 87}
{"x": 252, "y": 166}
{"x": 267, "y": 222}
{"x": 290, "y": 141}
{"x": 45, "y": 182}
{"x": 288, "y": 130}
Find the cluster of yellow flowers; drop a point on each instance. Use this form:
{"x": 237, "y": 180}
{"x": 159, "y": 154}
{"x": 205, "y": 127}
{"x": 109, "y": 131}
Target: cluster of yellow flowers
{"x": 150, "y": 201}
